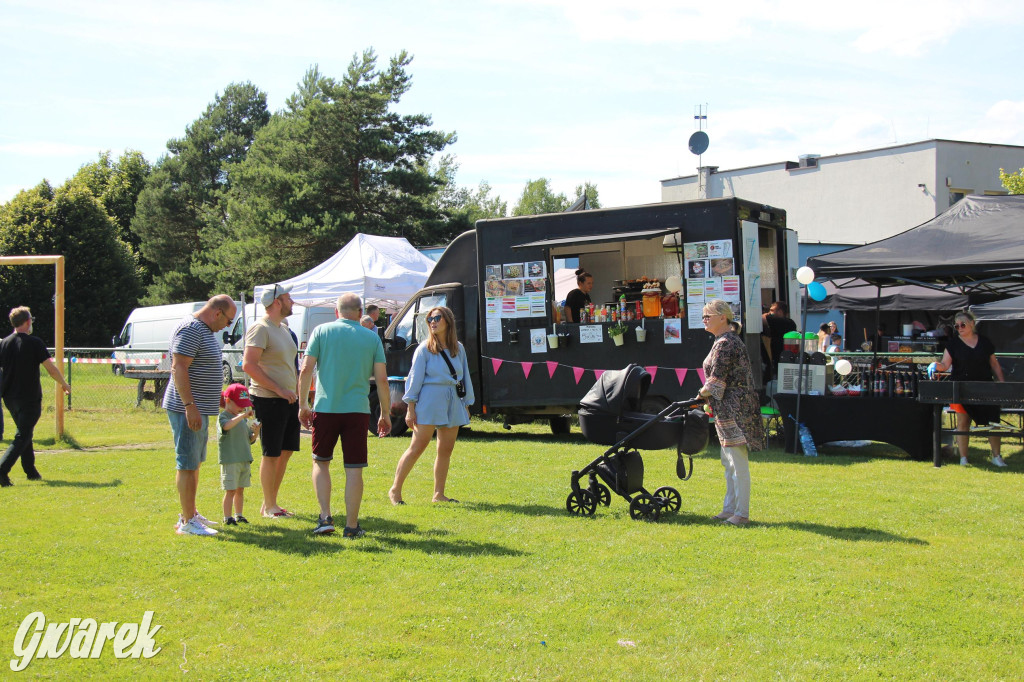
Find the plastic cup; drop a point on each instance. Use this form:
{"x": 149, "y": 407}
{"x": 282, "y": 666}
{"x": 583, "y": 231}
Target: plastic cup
{"x": 553, "y": 340}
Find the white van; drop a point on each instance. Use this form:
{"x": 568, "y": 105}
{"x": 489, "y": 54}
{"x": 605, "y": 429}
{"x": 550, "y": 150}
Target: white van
{"x": 302, "y": 321}
{"x": 149, "y": 329}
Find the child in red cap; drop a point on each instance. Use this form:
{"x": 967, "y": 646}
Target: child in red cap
{"x": 236, "y": 436}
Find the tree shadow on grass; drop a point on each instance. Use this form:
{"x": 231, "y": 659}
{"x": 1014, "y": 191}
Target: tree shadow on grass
{"x": 523, "y": 509}
{"x": 853, "y": 533}
{"x": 81, "y": 484}
{"x": 505, "y": 437}
{"x": 383, "y": 535}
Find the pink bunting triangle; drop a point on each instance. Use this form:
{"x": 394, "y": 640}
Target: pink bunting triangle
{"x": 552, "y": 366}
{"x": 578, "y": 373}
{"x": 496, "y": 364}
{"x": 653, "y": 371}
{"x": 527, "y": 366}
{"x": 680, "y": 374}
{"x": 598, "y": 373}
{"x": 700, "y": 373}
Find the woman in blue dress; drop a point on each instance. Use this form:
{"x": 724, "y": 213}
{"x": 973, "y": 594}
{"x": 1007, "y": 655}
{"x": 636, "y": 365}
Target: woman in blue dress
{"x": 434, "y": 403}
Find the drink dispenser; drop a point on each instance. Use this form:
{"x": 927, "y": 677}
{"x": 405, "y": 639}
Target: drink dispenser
{"x": 791, "y": 342}
{"x": 652, "y": 302}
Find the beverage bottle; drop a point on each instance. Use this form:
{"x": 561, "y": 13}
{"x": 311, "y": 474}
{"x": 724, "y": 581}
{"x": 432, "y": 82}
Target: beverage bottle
{"x": 807, "y": 442}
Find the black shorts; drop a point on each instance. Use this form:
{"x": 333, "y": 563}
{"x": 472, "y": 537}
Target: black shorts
{"x": 280, "y": 425}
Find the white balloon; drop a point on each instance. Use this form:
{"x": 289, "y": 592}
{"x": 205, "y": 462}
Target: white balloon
{"x": 844, "y": 367}
{"x": 805, "y": 275}
{"x": 674, "y": 284}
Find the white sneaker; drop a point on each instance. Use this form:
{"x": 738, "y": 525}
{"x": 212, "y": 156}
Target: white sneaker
{"x": 998, "y": 461}
{"x": 195, "y": 527}
{"x": 203, "y": 520}
{"x": 964, "y": 462}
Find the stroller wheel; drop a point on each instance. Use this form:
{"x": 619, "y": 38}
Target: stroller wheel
{"x": 581, "y": 503}
{"x": 644, "y": 508}
{"x": 670, "y": 499}
{"x": 601, "y": 494}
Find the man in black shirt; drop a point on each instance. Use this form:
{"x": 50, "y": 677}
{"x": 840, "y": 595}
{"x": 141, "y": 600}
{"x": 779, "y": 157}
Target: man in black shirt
{"x": 775, "y": 324}
{"x": 20, "y": 357}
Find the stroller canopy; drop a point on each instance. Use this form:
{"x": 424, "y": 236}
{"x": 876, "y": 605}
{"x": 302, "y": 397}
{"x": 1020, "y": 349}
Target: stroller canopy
{"x": 618, "y": 391}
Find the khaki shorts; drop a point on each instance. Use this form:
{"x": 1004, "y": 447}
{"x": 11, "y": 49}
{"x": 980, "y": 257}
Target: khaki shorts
{"x": 235, "y": 475}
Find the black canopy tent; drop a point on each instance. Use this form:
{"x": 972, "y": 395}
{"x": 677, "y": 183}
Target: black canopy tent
{"x": 856, "y": 294}
{"x": 976, "y": 245}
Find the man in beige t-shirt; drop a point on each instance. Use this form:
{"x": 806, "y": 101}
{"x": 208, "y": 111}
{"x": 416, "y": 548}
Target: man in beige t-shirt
{"x": 269, "y": 360}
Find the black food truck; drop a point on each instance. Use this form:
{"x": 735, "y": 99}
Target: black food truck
{"x": 526, "y": 363}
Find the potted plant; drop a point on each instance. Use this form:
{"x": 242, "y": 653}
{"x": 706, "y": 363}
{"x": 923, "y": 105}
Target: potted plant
{"x": 616, "y": 331}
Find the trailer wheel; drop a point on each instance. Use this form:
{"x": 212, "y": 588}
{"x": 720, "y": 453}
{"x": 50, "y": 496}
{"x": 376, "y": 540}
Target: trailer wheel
{"x": 601, "y": 494}
{"x": 118, "y": 370}
{"x": 643, "y": 508}
{"x": 561, "y": 426}
{"x": 581, "y": 503}
{"x": 225, "y": 371}
{"x": 670, "y": 499}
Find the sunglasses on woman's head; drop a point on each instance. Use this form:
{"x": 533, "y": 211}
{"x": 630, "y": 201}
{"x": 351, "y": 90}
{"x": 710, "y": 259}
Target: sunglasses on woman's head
{"x": 435, "y": 318}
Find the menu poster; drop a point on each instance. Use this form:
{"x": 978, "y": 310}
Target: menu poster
{"x": 493, "y": 329}
{"x": 673, "y": 330}
{"x": 696, "y": 269}
{"x": 695, "y": 250}
{"x": 492, "y": 307}
{"x": 721, "y": 248}
{"x": 731, "y": 289}
{"x": 536, "y": 268}
{"x": 591, "y": 333}
{"x": 712, "y": 288}
{"x": 494, "y": 287}
{"x": 538, "y": 304}
{"x": 512, "y": 271}
{"x": 536, "y": 285}
{"x": 492, "y": 272}
{"x": 508, "y": 306}
{"x": 693, "y": 317}
{"x": 513, "y": 287}
{"x": 538, "y": 340}
{"x": 522, "y": 306}
{"x": 722, "y": 267}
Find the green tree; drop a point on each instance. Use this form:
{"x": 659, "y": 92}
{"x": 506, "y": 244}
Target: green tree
{"x": 181, "y": 213}
{"x": 338, "y": 161}
{"x": 100, "y": 269}
{"x": 117, "y": 185}
{"x": 590, "y": 190}
{"x": 1013, "y": 182}
{"x": 538, "y": 198}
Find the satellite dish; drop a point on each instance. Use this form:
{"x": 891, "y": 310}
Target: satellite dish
{"x": 699, "y": 142}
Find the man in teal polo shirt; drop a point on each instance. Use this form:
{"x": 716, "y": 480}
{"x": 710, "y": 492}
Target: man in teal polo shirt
{"x": 345, "y": 355}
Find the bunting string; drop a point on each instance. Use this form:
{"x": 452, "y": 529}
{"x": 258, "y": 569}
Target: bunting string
{"x": 578, "y": 372}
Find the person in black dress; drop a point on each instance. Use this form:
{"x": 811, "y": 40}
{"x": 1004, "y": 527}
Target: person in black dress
{"x": 578, "y": 297}
{"x": 972, "y": 357}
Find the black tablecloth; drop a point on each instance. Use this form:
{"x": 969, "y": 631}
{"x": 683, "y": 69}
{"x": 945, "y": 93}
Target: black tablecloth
{"x": 903, "y": 422}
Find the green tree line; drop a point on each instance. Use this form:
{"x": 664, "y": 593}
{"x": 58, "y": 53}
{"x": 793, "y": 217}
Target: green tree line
{"x": 247, "y": 196}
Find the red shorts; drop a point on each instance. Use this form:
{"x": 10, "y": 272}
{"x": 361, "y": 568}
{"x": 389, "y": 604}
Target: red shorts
{"x": 351, "y": 427}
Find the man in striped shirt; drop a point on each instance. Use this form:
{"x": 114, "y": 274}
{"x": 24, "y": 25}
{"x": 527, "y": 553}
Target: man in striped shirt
{"x": 192, "y": 397}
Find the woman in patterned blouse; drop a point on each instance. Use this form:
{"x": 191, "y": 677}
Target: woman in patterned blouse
{"x": 729, "y": 390}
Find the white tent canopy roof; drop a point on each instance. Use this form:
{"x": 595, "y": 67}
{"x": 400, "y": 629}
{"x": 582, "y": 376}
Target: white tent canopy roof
{"x": 386, "y": 271}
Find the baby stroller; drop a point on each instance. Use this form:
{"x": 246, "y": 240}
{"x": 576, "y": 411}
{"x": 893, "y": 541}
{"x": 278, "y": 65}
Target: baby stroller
{"x": 610, "y": 415}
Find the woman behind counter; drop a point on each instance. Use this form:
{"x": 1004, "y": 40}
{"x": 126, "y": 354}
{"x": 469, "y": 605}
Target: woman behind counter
{"x": 433, "y": 401}
{"x": 729, "y": 390}
{"x": 578, "y": 297}
{"x": 973, "y": 358}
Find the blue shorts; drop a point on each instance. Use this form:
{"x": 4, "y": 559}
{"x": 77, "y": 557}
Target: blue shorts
{"x": 189, "y": 445}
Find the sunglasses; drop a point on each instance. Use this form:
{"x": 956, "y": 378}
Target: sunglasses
{"x": 435, "y": 318}
{"x": 960, "y": 325}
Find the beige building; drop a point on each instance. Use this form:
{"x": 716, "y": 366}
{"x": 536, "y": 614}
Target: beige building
{"x": 864, "y": 196}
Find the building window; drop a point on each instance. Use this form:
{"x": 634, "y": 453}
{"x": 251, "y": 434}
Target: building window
{"x": 956, "y": 195}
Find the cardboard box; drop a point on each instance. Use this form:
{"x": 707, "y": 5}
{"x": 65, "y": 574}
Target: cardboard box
{"x": 817, "y": 378}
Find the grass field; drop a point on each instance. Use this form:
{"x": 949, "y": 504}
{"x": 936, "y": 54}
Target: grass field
{"x": 859, "y": 564}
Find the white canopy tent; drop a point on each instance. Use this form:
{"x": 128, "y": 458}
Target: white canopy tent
{"x": 386, "y": 271}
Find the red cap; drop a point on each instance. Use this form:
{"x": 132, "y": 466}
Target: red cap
{"x": 237, "y": 394}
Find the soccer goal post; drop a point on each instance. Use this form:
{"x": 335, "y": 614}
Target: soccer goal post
{"x": 58, "y": 325}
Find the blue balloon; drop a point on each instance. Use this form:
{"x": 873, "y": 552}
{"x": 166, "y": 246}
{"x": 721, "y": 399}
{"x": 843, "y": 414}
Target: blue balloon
{"x": 816, "y": 290}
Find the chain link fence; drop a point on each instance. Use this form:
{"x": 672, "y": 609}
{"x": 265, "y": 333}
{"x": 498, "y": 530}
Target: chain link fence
{"x": 100, "y": 381}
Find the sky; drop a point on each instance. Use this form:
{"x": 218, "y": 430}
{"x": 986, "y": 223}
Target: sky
{"x": 603, "y": 91}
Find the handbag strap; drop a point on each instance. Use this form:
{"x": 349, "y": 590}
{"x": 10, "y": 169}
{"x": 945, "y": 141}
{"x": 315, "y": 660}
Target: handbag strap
{"x": 451, "y": 368}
